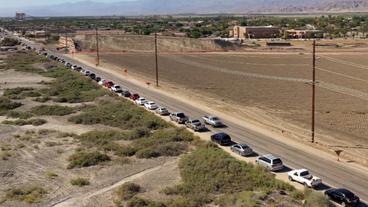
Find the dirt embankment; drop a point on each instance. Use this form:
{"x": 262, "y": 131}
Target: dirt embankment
{"x": 146, "y": 43}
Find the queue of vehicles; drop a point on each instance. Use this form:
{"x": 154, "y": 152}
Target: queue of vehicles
{"x": 269, "y": 161}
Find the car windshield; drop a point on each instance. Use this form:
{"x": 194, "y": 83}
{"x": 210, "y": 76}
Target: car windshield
{"x": 244, "y": 146}
{"x": 163, "y": 109}
{"x": 181, "y": 115}
{"x": 225, "y": 137}
{"x": 215, "y": 118}
{"x": 196, "y": 122}
{"x": 277, "y": 161}
{"x": 347, "y": 193}
{"x": 304, "y": 173}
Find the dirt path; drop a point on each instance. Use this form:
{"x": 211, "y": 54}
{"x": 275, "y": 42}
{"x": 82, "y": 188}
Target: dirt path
{"x": 84, "y": 199}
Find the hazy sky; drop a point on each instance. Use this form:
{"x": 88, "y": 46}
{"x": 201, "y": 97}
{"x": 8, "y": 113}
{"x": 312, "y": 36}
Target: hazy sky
{"x": 27, "y": 3}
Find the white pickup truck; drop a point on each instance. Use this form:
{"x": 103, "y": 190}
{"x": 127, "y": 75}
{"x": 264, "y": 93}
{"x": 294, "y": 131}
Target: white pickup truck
{"x": 213, "y": 121}
{"x": 304, "y": 177}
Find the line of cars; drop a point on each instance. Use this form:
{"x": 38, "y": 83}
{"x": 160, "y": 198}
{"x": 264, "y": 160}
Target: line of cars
{"x": 269, "y": 161}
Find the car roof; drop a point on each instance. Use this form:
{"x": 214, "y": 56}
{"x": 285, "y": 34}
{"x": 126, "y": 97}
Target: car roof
{"x": 221, "y": 134}
{"x": 270, "y": 156}
{"x": 345, "y": 191}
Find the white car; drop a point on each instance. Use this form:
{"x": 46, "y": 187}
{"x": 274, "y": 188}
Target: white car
{"x": 141, "y": 101}
{"x": 101, "y": 82}
{"x": 116, "y": 89}
{"x": 74, "y": 67}
{"x": 304, "y": 177}
{"x": 151, "y": 105}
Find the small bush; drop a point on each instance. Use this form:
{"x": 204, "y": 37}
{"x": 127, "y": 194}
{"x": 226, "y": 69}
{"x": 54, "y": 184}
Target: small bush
{"x": 29, "y": 194}
{"x": 42, "y": 99}
{"x": 22, "y": 122}
{"x": 126, "y": 191}
{"x": 86, "y": 159}
{"x": 119, "y": 113}
{"x": 80, "y": 182}
{"x": 316, "y": 199}
{"x": 19, "y": 115}
{"x": 18, "y": 93}
{"x": 51, "y": 175}
{"x": 53, "y": 110}
{"x": 6, "y": 105}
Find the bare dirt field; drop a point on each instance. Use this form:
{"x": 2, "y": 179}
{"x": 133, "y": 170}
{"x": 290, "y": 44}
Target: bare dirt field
{"x": 275, "y": 84}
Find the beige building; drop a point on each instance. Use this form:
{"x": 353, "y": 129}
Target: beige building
{"x": 245, "y": 32}
{"x": 300, "y": 34}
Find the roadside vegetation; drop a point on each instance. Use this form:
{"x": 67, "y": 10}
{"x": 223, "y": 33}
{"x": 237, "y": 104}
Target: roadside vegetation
{"x": 6, "y": 105}
{"x": 80, "y": 182}
{"x": 29, "y": 194}
{"x": 52, "y": 110}
{"x": 119, "y": 113}
{"x": 66, "y": 87}
{"x": 20, "y": 93}
{"x": 86, "y": 159}
{"x": 22, "y": 122}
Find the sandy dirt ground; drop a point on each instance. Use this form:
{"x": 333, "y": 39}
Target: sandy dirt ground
{"x": 270, "y": 88}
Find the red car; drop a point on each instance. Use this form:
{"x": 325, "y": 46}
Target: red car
{"x": 108, "y": 84}
{"x": 134, "y": 96}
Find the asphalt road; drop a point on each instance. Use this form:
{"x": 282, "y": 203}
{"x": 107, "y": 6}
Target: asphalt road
{"x": 337, "y": 174}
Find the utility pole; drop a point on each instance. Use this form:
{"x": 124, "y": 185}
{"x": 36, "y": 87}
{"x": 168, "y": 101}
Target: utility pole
{"x": 66, "y": 40}
{"x": 97, "y": 49}
{"x": 314, "y": 89}
{"x": 156, "y": 57}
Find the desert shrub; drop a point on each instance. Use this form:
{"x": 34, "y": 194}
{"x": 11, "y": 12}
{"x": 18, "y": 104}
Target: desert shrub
{"x": 126, "y": 191}
{"x": 52, "y": 110}
{"x": 72, "y": 87}
{"x": 246, "y": 198}
{"x": 5, "y": 155}
{"x": 42, "y": 99}
{"x": 86, "y": 159}
{"x": 210, "y": 171}
{"x": 6, "y": 105}
{"x": 80, "y": 182}
{"x": 22, "y": 61}
{"x": 22, "y": 122}
{"x": 29, "y": 194}
{"x": 7, "y": 41}
{"x": 139, "y": 202}
{"x": 20, "y": 93}
{"x": 164, "y": 142}
{"x": 316, "y": 199}
{"x": 119, "y": 113}
{"x": 169, "y": 149}
{"x": 19, "y": 115}
{"x": 51, "y": 175}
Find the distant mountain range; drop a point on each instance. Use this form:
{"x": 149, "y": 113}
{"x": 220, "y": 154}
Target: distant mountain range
{"x": 170, "y": 7}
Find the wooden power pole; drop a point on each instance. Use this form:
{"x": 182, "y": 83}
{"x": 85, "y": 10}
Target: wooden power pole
{"x": 97, "y": 49}
{"x": 314, "y": 90}
{"x": 156, "y": 59}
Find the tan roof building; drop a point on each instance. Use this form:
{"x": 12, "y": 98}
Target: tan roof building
{"x": 244, "y": 32}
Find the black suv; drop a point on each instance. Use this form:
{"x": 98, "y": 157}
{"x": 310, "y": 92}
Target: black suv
{"x": 221, "y": 138}
{"x": 343, "y": 196}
